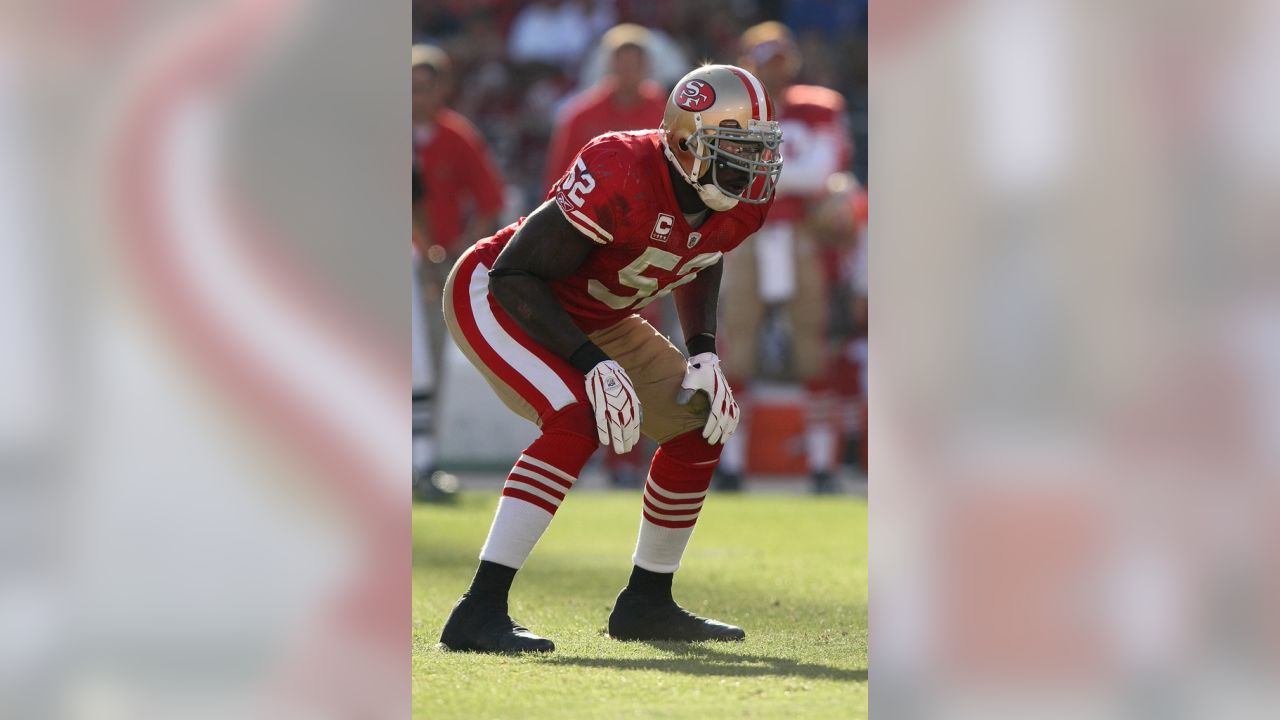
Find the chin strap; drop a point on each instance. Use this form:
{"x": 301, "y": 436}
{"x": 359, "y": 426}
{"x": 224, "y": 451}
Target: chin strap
{"x": 715, "y": 199}
{"x": 710, "y": 195}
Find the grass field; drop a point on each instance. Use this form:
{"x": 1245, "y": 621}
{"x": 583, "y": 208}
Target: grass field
{"x": 791, "y": 570}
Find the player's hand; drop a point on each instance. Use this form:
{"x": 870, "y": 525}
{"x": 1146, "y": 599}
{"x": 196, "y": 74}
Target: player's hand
{"x": 617, "y": 406}
{"x": 704, "y": 374}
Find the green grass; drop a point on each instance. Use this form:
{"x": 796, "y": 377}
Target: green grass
{"x": 791, "y": 570}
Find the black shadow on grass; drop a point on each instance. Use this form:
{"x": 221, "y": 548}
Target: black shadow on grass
{"x": 702, "y": 660}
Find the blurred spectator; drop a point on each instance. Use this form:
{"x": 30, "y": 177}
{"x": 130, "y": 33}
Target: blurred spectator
{"x": 838, "y": 222}
{"x": 454, "y": 178}
{"x": 625, "y": 99}
{"x": 557, "y": 32}
{"x": 777, "y": 281}
{"x": 666, "y": 58}
{"x": 458, "y": 175}
{"x": 513, "y": 96}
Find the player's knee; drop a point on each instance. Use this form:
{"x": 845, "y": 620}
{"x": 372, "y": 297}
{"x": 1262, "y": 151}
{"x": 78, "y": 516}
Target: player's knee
{"x": 690, "y": 448}
{"x": 574, "y": 425}
{"x": 684, "y": 463}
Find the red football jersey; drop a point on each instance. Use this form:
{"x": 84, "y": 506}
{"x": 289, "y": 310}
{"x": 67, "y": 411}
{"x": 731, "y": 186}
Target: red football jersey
{"x": 459, "y": 177}
{"x": 618, "y": 193}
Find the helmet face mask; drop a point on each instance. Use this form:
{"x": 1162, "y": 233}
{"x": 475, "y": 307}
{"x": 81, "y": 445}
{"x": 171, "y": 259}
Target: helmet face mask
{"x": 744, "y": 163}
{"x": 720, "y": 132}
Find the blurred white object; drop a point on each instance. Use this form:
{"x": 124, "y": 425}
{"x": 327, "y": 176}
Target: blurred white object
{"x": 217, "y": 517}
{"x": 27, "y": 411}
{"x": 556, "y": 32}
{"x": 776, "y": 260}
{"x": 1020, "y": 90}
{"x": 469, "y": 409}
{"x": 667, "y": 62}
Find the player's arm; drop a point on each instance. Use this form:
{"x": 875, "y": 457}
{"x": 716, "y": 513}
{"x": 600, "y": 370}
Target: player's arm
{"x": 696, "y": 303}
{"x": 546, "y": 248}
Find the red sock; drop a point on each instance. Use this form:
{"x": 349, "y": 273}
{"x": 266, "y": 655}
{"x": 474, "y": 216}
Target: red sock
{"x": 673, "y": 497}
{"x": 538, "y": 482}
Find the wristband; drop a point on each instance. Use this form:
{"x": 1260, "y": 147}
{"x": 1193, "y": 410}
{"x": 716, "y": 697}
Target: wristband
{"x": 701, "y": 343}
{"x": 587, "y": 356}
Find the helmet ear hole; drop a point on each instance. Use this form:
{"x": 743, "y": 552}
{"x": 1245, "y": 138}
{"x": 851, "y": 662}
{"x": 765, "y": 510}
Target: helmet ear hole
{"x": 684, "y": 144}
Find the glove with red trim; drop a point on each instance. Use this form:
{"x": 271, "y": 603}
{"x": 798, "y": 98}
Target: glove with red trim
{"x": 704, "y": 375}
{"x": 617, "y": 406}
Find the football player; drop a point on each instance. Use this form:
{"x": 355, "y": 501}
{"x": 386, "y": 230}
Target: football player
{"x": 546, "y": 310}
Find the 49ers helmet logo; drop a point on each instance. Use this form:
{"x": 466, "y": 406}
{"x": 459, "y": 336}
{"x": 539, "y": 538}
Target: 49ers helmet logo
{"x": 696, "y": 95}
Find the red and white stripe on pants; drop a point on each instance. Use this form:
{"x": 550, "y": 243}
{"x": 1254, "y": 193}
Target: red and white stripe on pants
{"x": 542, "y": 379}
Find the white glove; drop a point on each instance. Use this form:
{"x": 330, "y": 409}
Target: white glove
{"x": 704, "y": 374}
{"x": 617, "y": 407}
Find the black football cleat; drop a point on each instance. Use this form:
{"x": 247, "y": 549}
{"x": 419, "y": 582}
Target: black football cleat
{"x": 477, "y": 627}
{"x": 641, "y": 617}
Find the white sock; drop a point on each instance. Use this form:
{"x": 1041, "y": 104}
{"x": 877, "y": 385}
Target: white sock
{"x": 666, "y": 524}
{"x": 659, "y": 549}
{"x": 516, "y": 528}
{"x": 530, "y": 497}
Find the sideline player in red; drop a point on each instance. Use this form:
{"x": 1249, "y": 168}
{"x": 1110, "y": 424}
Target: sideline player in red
{"x": 783, "y": 268}
{"x": 458, "y": 193}
{"x": 545, "y": 309}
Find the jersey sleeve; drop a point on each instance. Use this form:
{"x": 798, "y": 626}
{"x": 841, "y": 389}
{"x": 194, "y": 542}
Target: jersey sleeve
{"x": 592, "y": 192}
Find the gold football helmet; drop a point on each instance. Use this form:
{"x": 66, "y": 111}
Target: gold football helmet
{"x": 720, "y": 124}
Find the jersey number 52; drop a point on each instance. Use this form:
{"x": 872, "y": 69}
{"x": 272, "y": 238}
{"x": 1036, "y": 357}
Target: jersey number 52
{"x": 582, "y": 186}
{"x": 646, "y": 288}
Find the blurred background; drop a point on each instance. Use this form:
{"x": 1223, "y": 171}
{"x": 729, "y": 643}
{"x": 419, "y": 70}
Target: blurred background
{"x": 507, "y": 92}
{"x": 203, "y": 506}
{"x": 1074, "y": 380}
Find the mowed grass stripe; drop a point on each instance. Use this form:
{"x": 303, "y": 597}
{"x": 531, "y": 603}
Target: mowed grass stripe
{"x": 791, "y": 570}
